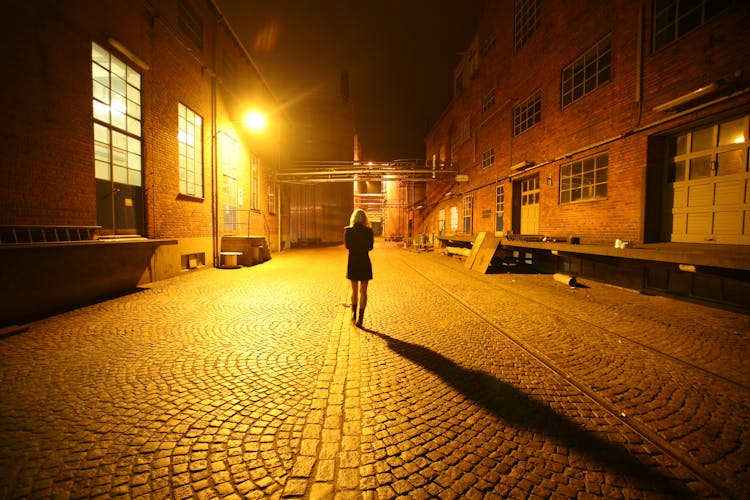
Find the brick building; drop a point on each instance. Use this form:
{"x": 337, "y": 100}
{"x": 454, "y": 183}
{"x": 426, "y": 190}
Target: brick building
{"x": 588, "y": 122}
{"x": 124, "y": 147}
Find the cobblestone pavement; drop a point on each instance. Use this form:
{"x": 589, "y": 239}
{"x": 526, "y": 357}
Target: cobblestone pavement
{"x": 253, "y": 383}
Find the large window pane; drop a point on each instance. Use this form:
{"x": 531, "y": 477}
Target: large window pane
{"x": 700, "y": 167}
{"x": 703, "y": 139}
{"x": 730, "y": 162}
{"x": 732, "y": 132}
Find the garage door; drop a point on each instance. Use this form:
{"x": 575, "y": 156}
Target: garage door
{"x": 711, "y": 184}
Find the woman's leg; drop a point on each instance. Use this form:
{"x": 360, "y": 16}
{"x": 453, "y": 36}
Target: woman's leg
{"x": 355, "y": 294}
{"x": 362, "y": 301}
{"x": 363, "y": 294}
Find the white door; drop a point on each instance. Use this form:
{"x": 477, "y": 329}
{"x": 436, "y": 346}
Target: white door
{"x": 530, "y": 205}
{"x": 711, "y": 184}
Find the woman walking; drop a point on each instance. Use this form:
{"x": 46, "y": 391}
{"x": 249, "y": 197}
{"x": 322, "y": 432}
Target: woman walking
{"x": 359, "y": 240}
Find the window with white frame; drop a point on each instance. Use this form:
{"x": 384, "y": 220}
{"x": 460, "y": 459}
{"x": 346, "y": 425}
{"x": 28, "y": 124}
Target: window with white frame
{"x": 528, "y": 113}
{"x": 441, "y": 221}
{"x": 587, "y": 73}
{"x": 254, "y": 182}
{"x": 499, "y": 207}
{"x": 229, "y": 165}
{"x": 526, "y": 20}
{"x": 584, "y": 180}
{"x": 454, "y": 219}
{"x": 271, "y": 195}
{"x": 488, "y": 158}
{"x": 675, "y": 18}
{"x": 117, "y": 119}
{"x": 466, "y": 213}
{"x": 190, "y": 138}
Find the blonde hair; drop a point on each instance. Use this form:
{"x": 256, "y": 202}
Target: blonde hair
{"x": 360, "y": 216}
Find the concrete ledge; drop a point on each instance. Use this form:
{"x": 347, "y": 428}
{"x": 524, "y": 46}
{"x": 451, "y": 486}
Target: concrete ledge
{"x": 40, "y": 279}
{"x": 697, "y": 254}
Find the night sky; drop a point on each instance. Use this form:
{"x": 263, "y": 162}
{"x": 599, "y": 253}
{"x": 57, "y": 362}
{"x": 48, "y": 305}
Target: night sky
{"x": 400, "y": 56}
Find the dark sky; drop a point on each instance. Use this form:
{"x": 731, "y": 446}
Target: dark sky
{"x": 400, "y": 56}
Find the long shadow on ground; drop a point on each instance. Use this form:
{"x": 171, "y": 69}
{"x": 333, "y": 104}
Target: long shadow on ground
{"x": 519, "y": 410}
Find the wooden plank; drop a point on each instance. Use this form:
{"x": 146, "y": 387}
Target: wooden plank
{"x": 483, "y": 250}
{"x": 474, "y": 248}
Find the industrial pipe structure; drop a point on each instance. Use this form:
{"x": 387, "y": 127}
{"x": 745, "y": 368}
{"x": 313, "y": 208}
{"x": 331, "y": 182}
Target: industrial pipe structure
{"x": 350, "y": 171}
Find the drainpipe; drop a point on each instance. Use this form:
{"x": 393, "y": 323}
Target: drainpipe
{"x": 214, "y": 155}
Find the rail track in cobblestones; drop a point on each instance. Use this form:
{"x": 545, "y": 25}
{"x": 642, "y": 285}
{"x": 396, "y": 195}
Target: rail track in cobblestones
{"x": 737, "y": 384}
{"x": 698, "y": 470}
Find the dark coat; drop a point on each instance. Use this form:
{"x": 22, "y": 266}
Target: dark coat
{"x": 359, "y": 241}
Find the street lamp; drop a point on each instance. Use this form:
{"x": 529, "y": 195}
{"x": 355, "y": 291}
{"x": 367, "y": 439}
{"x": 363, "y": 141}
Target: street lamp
{"x": 255, "y": 121}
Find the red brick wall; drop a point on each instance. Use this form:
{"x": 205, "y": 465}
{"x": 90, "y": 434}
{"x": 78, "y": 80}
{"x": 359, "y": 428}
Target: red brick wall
{"x": 46, "y": 131}
{"x": 610, "y": 114}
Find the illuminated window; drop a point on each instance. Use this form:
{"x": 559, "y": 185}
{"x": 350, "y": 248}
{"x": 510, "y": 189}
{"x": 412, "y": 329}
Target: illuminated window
{"x": 587, "y": 72}
{"x": 229, "y": 165}
{"x": 454, "y": 218}
{"x": 190, "y": 138}
{"x": 675, "y": 18}
{"x": 488, "y": 158}
{"x": 585, "y": 179}
{"x": 441, "y": 221}
{"x": 117, "y": 119}
{"x": 526, "y": 13}
{"x": 527, "y": 114}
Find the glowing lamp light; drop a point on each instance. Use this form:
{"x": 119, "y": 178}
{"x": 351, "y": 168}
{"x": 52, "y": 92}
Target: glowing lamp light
{"x": 255, "y": 121}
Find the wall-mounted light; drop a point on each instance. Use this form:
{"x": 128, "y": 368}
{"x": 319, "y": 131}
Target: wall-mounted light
{"x": 685, "y": 98}
{"x": 522, "y": 165}
{"x": 549, "y": 179}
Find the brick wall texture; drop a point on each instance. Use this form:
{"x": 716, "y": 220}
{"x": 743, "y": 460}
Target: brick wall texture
{"x": 616, "y": 118}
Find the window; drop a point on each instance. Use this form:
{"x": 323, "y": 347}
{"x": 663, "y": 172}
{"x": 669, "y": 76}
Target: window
{"x": 488, "y": 158}
{"x": 675, "y": 18}
{"x": 526, "y": 14}
{"x": 713, "y": 151}
{"x": 587, "y": 72}
{"x": 117, "y": 119}
{"x": 190, "y": 137}
{"x": 499, "y": 207}
{"x": 466, "y": 212}
{"x": 191, "y": 23}
{"x": 584, "y": 180}
{"x": 465, "y": 129}
{"x": 441, "y": 221}
{"x": 488, "y": 101}
{"x": 528, "y": 113}
{"x": 454, "y": 218}
{"x": 228, "y": 163}
{"x": 254, "y": 182}
{"x": 271, "y": 195}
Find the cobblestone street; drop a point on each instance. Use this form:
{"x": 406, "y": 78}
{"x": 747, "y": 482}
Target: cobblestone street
{"x": 254, "y": 383}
